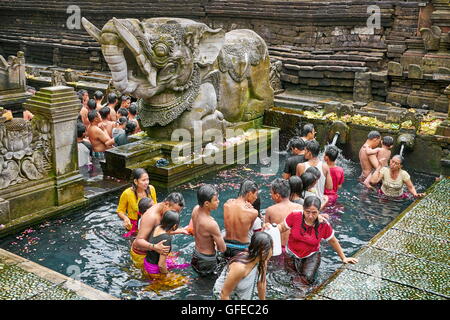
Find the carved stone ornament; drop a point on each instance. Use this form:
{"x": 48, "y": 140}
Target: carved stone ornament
{"x": 58, "y": 79}
{"x": 25, "y": 150}
{"x": 164, "y": 114}
{"x": 275, "y": 76}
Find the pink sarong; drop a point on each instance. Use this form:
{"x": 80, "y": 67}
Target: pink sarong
{"x": 151, "y": 268}
{"x": 134, "y": 229}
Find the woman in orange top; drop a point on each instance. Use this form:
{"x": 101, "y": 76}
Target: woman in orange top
{"x": 128, "y": 203}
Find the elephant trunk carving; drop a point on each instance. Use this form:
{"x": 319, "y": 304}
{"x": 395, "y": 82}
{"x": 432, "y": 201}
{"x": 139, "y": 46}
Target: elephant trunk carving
{"x": 183, "y": 71}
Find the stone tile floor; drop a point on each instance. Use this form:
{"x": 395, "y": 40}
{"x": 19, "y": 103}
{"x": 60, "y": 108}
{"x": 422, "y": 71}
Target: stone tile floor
{"x": 21, "y": 279}
{"x": 409, "y": 260}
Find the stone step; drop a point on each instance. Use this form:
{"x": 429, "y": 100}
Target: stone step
{"x": 294, "y": 104}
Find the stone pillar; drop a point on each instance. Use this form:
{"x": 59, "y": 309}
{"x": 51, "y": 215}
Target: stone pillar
{"x": 60, "y": 107}
{"x": 444, "y": 127}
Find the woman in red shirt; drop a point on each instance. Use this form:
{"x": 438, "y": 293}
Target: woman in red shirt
{"x": 308, "y": 228}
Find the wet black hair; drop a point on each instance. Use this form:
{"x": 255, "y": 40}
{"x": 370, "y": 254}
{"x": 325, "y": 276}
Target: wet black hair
{"x": 314, "y": 171}
{"x": 314, "y": 147}
{"x": 125, "y": 98}
{"x": 81, "y": 129}
{"x": 98, "y": 95}
{"x": 80, "y": 94}
{"x": 91, "y": 104}
{"x": 296, "y": 185}
{"x": 281, "y": 187}
{"x": 122, "y": 120}
{"x": 176, "y": 198}
{"x": 246, "y": 187}
{"x": 130, "y": 127}
{"x": 373, "y": 135}
{"x": 260, "y": 245}
{"x": 123, "y": 112}
{"x": 298, "y": 143}
{"x": 387, "y": 141}
{"x": 112, "y": 98}
{"x": 332, "y": 153}
{"x": 144, "y": 204}
{"x": 104, "y": 112}
{"x": 136, "y": 174}
{"x": 205, "y": 193}
{"x": 288, "y": 146}
{"x": 312, "y": 201}
{"x": 92, "y": 115}
{"x": 307, "y": 128}
{"x": 308, "y": 179}
{"x": 169, "y": 220}
{"x": 132, "y": 109}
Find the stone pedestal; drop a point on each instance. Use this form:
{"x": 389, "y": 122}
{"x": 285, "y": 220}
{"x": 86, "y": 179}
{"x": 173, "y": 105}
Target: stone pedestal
{"x": 60, "y": 107}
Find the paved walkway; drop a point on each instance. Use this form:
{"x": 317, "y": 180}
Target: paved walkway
{"x": 408, "y": 260}
{"x": 21, "y": 279}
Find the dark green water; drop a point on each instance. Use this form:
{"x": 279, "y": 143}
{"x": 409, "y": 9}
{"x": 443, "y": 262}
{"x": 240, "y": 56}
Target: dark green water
{"x": 89, "y": 247}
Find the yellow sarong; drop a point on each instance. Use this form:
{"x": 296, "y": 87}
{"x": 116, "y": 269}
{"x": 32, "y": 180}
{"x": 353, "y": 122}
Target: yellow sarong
{"x": 138, "y": 259}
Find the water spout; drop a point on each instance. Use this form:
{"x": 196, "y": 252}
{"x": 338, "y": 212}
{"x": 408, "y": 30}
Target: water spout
{"x": 406, "y": 141}
{"x": 401, "y": 149}
{"x": 336, "y": 136}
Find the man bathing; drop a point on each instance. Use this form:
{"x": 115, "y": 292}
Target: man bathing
{"x": 149, "y": 220}
{"x": 369, "y": 163}
{"x": 379, "y": 156}
{"x": 206, "y": 232}
{"x": 280, "y": 192}
{"x": 98, "y": 137}
{"x": 239, "y": 216}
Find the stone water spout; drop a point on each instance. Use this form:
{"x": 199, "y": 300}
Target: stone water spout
{"x": 338, "y": 133}
{"x": 406, "y": 141}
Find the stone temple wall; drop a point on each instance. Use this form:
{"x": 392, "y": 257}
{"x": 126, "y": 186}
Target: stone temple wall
{"x": 324, "y": 46}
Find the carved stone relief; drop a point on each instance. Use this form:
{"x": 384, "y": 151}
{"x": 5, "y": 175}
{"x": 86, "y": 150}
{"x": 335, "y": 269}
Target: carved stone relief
{"x": 25, "y": 150}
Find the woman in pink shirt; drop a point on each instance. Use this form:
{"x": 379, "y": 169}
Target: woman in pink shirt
{"x": 308, "y": 228}
{"x": 337, "y": 174}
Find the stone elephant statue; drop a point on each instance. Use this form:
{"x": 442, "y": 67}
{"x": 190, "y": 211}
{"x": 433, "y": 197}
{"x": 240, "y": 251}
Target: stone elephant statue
{"x": 183, "y": 72}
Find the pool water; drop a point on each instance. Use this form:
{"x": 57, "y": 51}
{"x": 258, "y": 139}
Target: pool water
{"x": 88, "y": 245}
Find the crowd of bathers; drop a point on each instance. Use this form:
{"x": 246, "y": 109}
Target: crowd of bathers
{"x": 103, "y": 123}
{"x": 237, "y": 257}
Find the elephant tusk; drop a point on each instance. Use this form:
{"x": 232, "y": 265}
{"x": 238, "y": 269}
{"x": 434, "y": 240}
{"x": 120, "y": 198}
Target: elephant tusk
{"x": 127, "y": 37}
{"x": 135, "y": 46}
{"x": 91, "y": 29}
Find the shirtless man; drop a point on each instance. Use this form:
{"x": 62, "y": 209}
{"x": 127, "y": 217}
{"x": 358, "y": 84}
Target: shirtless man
{"x": 280, "y": 192}
{"x": 98, "y": 136}
{"x": 150, "y": 219}
{"x": 381, "y": 155}
{"x": 112, "y": 102}
{"x": 105, "y": 113}
{"x": 308, "y": 132}
{"x": 88, "y": 106}
{"x": 238, "y": 217}
{"x": 206, "y": 232}
{"x": 98, "y": 96}
{"x": 369, "y": 163}
{"x": 312, "y": 155}
{"x": 125, "y": 102}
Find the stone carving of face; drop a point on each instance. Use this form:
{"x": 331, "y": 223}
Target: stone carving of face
{"x": 156, "y": 55}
